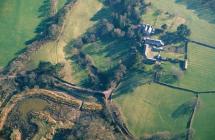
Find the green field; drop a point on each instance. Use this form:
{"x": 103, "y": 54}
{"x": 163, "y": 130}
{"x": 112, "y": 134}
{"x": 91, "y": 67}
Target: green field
{"x": 204, "y": 124}
{"x": 107, "y": 55}
{"x": 77, "y": 22}
{"x": 148, "y": 109}
{"x": 18, "y": 21}
{"x": 200, "y": 74}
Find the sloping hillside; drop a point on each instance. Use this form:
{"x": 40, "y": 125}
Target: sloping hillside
{"x": 204, "y": 8}
{"x": 76, "y": 23}
{"x": 18, "y": 23}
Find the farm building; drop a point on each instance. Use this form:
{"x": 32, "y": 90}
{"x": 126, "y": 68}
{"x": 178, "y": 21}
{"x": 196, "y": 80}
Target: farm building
{"x": 152, "y": 49}
{"x": 154, "y": 42}
{"x": 157, "y": 49}
{"x": 145, "y": 29}
{"x": 185, "y": 64}
{"x": 149, "y": 53}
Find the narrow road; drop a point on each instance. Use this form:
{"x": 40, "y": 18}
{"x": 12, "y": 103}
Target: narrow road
{"x": 106, "y": 93}
{"x": 115, "y": 116}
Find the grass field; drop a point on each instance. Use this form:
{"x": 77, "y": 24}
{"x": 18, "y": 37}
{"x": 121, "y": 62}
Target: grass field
{"x": 17, "y": 23}
{"x": 200, "y": 74}
{"x": 204, "y": 123}
{"x": 77, "y": 21}
{"x": 148, "y": 109}
{"x": 107, "y": 55}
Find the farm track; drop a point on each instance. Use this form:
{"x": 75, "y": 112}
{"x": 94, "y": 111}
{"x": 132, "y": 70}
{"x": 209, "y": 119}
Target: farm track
{"x": 53, "y": 7}
{"x": 107, "y": 93}
{"x": 117, "y": 121}
{"x": 81, "y": 89}
{"x": 59, "y": 83}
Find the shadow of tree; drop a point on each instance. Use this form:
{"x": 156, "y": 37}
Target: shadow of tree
{"x": 44, "y": 10}
{"x": 115, "y": 50}
{"x": 42, "y": 30}
{"x": 184, "y": 109}
{"x": 131, "y": 81}
{"x": 103, "y": 13}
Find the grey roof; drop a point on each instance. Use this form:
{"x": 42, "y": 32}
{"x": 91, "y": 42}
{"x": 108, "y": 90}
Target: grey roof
{"x": 154, "y": 42}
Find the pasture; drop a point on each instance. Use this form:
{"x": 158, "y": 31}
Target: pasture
{"x": 200, "y": 75}
{"x": 77, "y": 22}
{"x": 204, "y": 124}
{"x": 149, "y": 109}
{"x": 107, "y": 55}
{"x": 18, "y": 21}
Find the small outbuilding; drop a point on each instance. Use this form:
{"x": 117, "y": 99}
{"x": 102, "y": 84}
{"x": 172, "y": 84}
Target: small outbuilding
{"x": 185, "y": 64}
{"x": 145, "y": 29}
{"x": 148, "y": 28}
